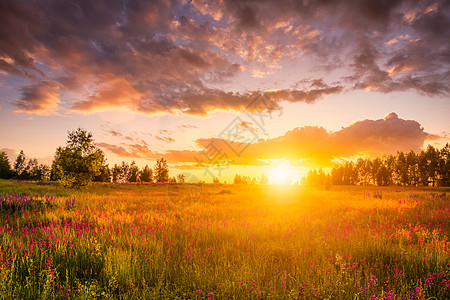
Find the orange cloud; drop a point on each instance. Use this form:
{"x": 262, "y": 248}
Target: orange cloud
{"x": 317, "y": 147}
{"x": 115, "y": 93}
{"x": 313, "y": 146}
{"x": 42, "y": 99}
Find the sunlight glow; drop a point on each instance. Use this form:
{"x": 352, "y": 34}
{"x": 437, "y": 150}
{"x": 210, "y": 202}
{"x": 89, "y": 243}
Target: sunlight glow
{"x": 282, "y": 172}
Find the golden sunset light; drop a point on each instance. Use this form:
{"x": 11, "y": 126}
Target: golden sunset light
{"x": 155, "y": 79}
{"x": 228, "y": 149}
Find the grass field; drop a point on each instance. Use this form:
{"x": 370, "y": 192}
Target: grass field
{"x": 223, "y": 242}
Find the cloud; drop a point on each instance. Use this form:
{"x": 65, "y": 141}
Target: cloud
{"x": 42, "y": 98}
{"x": 310, "y": 146}
{"x": 117, "y": 150}
{"x": 203, "y": 101}
{"x": 187, "y": 126}
{"x": 114, "y": 94}
{"x": 165, "y": 139}
{"x": 316, "y": 146}
{"x": 177, "y": 56}
{"x": 115, "y": 133}
{"x": 387, "y": 135}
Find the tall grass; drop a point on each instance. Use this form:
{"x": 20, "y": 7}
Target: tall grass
{"x": 240, "y": 242}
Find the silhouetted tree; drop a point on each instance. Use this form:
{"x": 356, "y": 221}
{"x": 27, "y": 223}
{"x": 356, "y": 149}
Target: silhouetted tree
{"x": 413, "y": 171}
{"x": 5, "y": 167}
{"x": 37, "y": 171}
{"x": 161, "y": 171}
{"x": 33, "y": 170}
{"x": 401, "y": 169}
{"x": 146, "y": 174}
{"x": 20, "y": 167}
{"x": 430, "y": 167}
{"x": 115, "y": 171}
{"x": 362, "y": 170}
{"x": 317, "y": 178}
{"x": 123, "y": 172}
{"x": 422, "y": 166}
{"x": 444, "y": 166}
{"x": 181, "y": 178}
{"x": 337, "y": 174}
{"x": 238, "y": 179}
{"x": 432, "y": 156}
{"x": 133, "y": 173}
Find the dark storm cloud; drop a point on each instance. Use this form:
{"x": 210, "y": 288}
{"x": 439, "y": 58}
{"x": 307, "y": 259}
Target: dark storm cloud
{"x": 168, "y": 56}
{"x": 204, "y": 100}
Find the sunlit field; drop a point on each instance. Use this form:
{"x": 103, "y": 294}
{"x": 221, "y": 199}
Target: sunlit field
{"x": 223, "y": 242}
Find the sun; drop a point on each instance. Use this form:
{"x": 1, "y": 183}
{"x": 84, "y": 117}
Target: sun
{"x": 282, "y": 173}
{"x": 280, "y": 176}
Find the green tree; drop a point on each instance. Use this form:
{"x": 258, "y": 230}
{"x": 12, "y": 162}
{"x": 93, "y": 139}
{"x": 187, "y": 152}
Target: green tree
{"x": 444, "y": 166}
{"x": 422, "y": 166}
{"x": 161, "y": 171}
{"x": 401, "y": 169}
{"x": 5, "y": 167}
{"x": 413, "y": 171}
{"x": 362, "y": 169}
{"x": 80, "y": 161}
{"x": 432, "y": 156}
{"x": 104, "y": 176}
{"x": 133, "y": 173}
{"x": 382, "y": 176}
{"x": 123, "y": 172}
{"x": 37, "y": 171}
{"x": 20, "y": 167}
{"x": 147, "y": 174}
{"x": 34, "y": 172}
{"x": 115, "y": 171}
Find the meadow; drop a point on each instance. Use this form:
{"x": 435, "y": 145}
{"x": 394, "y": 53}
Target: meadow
{"x": 125, "y": 241}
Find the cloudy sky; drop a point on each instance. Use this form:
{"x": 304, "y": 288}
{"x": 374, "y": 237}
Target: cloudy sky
{"x": 219, "y": 87}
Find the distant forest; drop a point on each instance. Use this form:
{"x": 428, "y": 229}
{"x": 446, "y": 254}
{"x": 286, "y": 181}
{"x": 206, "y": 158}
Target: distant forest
{"x": 427, "y": 168}
{"x": 30, "y": 169}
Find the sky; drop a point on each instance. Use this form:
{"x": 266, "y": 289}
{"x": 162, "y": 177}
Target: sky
{"x": 224, "y": 87}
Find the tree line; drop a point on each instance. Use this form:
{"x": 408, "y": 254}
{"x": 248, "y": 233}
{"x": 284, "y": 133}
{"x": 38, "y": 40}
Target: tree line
{"x": 430, "y": 167}
{"x": 79, "y": 163}
{"x": 23, "y": 169}
{"x": 242, "y": 179}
